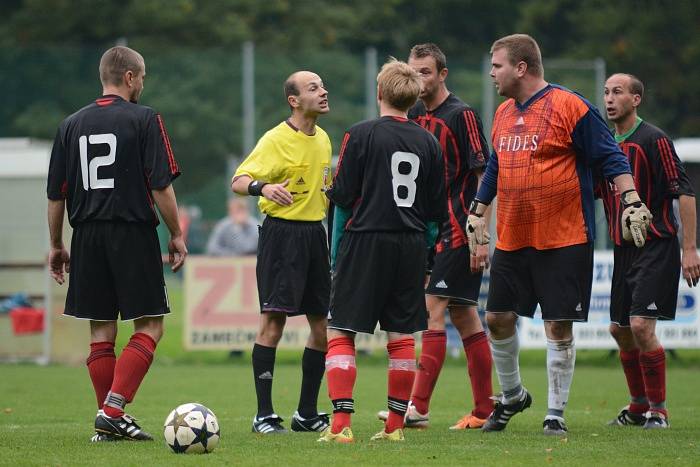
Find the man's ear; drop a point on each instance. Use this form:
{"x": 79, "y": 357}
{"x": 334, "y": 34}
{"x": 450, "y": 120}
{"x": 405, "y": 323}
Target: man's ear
{"x": 293, "y": 101}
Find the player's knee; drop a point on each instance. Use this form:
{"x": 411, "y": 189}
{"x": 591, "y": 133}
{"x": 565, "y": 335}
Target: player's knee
{"x": 499, "y": 323}
{"x": 643, "y": 330}
{"x": 559, "y": 330}
{"x": 436, "y": 321}
{"x": 151, "y": 326}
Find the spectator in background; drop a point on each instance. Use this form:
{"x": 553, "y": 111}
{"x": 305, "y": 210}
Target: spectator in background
{"x": 235, "y": 235}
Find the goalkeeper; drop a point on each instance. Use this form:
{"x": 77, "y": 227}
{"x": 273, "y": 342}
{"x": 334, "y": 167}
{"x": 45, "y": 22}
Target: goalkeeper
{"x": 546, "y": 140}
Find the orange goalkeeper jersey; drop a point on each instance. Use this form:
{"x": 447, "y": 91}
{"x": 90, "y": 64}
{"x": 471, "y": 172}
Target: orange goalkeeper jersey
{"x": 543, "y": 153}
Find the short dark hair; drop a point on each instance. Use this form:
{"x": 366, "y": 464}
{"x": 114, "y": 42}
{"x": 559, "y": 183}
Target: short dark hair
{"x": 521, "y": 48}
{"x": 430, "y": 50}
{"x": 117, "y": 61}
{"x": 399, "y": 84}
{"x": 636, "y": 86}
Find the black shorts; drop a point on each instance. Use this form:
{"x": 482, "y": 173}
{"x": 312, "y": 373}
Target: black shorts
{"x": 379, "y": 278}
{"x": 559, "y": 280}
{"x": 293, "y": 268}
{"x": 115, "y": 270}
{"x": 452, "y": 277}
{"x": 645, "y": 281}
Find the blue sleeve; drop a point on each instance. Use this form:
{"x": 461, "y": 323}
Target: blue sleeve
{"x": 340, "y": 218}
{"x": 594, "y": 142}
{"x": 489, "y": 182}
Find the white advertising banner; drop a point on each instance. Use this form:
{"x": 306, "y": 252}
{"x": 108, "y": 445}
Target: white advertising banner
{"x": 684, "y": 332}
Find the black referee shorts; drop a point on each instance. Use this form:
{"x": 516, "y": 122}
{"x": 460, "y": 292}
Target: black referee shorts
{"x": 452, "y": 277}
{"x": 115, "y": 270}
{"x": 645, "y": 281}
{"x": 559, "y": 280}
{"x": 293, "y": 268}
{"x": 379, "y": 278}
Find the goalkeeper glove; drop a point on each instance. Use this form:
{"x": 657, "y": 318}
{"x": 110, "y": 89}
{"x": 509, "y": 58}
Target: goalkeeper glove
{"x": 476, "y": 232}
{"x": 636, "y": 218}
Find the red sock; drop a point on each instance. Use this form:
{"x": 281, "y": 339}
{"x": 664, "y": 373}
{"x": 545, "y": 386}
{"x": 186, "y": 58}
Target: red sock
{"x": 402, "y": 372}
{"x": 341, "y": 374}
{"x": 479, "y": 364}
{"x": 129, "y": 371}
{"x": 432, "y": 357}
{"x": 654, "y": 370}
{"x": 100, "y": 365}
{"x": 635, "y": 380}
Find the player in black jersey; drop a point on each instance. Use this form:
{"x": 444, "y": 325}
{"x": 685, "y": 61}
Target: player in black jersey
{"x": 645, "y": 281}
{"x": 455, "y": 279}
{"x": 390, "y": 176}
{"x": 111, "y": 162}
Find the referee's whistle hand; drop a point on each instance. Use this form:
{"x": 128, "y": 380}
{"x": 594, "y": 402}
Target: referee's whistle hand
{"x": 177, "y": 251}
{"x": 278, "y": 193}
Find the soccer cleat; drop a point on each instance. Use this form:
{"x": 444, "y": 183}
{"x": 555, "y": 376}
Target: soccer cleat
{"x": 468, "y": 422}
{"x": 412, "y": 419}
{"x": 656, "y": 420}
{"x": 627, "y": 418}
{"x": 124, "y": 427}
{"x": 502, "y": 413}
{"x": 318, "y": 423}
{"x": 554, "y": 426}
{"x": 268, "y": 425}
{"x": 345, "y": 436}
{"x": 396, "y": 435}
{"x": 102, "y": 437}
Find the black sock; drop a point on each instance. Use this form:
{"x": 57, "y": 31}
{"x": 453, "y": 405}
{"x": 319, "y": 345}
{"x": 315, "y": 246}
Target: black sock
{"x": 263, "y": 369}
{"x": 313, "y": 364}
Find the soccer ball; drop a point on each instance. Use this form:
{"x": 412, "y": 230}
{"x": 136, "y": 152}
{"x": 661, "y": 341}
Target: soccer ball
{"x": 192, "y": 428}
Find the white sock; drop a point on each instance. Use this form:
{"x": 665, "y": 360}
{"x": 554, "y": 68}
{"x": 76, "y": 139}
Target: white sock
{"x": 561, "y": 357}
{"x": 505, "y": 358}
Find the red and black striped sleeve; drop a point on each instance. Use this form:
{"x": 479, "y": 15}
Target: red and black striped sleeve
{"x": 671, "y": 170}
{"x": 470, "y": 134}
{"x": 160, "y": 165}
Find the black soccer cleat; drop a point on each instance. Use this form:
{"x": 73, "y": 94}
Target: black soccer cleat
{"x": 318, "y": 423}
{"x": 124, "y": 427}
{"x": 627, "y": 418}
{"x": 268, "y": 425}
{"x": 656, "y": 420}
{"x": 554, "y": 427}
{"x": 502, "y": 413}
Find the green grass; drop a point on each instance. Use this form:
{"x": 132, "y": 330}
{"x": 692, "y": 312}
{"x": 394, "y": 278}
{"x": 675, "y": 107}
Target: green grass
{"x": 46, "y": 414}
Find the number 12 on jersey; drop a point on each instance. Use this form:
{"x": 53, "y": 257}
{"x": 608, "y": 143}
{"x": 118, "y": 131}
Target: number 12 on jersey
{"x": 406, "y": 180}
{"x": 89, "y": 171}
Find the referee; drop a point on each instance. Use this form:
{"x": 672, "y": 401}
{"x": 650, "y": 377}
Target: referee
{"x": 289, "y": 169}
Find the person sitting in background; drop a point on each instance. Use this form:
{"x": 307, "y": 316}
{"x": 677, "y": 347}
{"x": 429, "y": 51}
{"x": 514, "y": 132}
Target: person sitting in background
{"x": 235, "y": 235}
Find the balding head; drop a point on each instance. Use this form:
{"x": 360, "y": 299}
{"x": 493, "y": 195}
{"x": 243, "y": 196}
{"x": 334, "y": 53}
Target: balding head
{"x": 116, "y": 62}
{"x": 304, "y": 91}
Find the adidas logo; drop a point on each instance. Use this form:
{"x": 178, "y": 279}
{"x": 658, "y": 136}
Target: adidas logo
{"x": 441, "y": 285}
{"x": 652, "y": 306}
{"x": 578, "y": 307}
{"x": 301, "y": 181}
{"x": 266, "y": 375}
{"x": 520, "y": 121}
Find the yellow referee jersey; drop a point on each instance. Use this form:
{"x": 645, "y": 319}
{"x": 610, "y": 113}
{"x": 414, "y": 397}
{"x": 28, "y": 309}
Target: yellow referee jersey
{"x": 284, "y": 153}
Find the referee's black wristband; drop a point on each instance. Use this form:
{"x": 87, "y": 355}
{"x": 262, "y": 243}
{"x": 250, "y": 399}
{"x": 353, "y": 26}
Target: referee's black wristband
{"x": 255, "y": 187}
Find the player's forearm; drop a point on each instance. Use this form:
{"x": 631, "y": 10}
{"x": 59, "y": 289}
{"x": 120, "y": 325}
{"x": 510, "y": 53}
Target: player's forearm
{"x": 624, "y": 182}
{"x": 167, "y": 205}
{"x": 487, "y": 184}
{"x": 686, "y": 207}
{"x": 55, "y": 217}
{"x": 240, "y": 184}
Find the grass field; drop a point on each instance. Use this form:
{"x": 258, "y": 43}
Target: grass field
{"x": 46, "y": 415}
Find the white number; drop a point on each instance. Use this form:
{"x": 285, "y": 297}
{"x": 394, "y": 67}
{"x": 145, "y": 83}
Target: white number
{"x": 96, "y": 162}
{"x": 406, "y": 180}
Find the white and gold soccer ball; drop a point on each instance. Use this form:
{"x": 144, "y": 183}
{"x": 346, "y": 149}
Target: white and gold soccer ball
{"x": 192, "y": 428}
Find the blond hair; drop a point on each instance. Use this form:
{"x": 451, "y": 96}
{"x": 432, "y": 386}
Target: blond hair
{"x": 117, "y": 61}
{"x": 399, "y": 84}
{"x": 522, "y": 48}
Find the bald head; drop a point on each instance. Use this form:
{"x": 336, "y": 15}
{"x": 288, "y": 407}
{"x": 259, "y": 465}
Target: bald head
{"x": 116, "y": 62}
{"x": 304, "y": 89}
{"x": 633, "y": 84}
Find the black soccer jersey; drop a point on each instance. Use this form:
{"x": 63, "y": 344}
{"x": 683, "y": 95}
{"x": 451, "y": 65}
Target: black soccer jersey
{"x": 464, "y": 150}
{"x": 390, "y": 173}
{"x": 659, "y": 177}
{"x": 106, "y": 159}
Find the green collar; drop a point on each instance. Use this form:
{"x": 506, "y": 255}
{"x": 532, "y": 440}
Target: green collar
{"x": 628, "y": 133}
